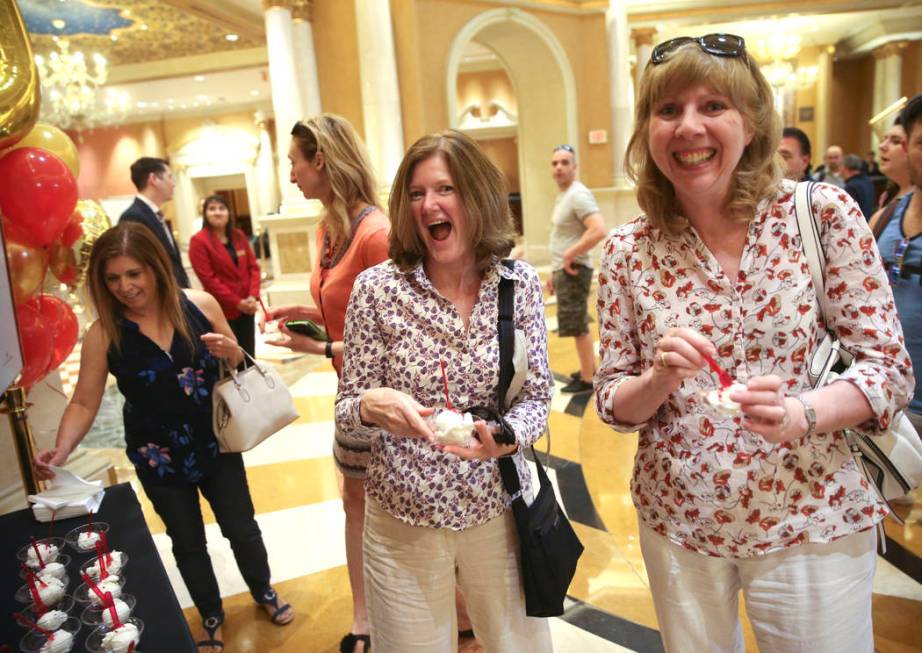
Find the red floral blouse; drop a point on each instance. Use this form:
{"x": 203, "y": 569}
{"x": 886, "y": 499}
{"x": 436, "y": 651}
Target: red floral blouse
{"x": 699, "y": 478}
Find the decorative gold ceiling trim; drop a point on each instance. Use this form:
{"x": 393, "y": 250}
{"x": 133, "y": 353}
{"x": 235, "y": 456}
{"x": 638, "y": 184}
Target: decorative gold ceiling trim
{"x": 725, "y": 12}
{"x": 225, "y": 15}
{"x": 192, "y": 65}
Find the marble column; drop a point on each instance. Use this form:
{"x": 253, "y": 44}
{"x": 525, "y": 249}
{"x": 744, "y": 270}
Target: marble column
{"x": 643, "y": 38}
{"x": 380, "y": 91}
{"x": 888, "y": 68}
{"x": 266, "y": 181}
{"x": 286, "y": 96}
{"x": 619, "y": 82}
{"x": 305, "y": 57}
{"x": 822, "y": 104}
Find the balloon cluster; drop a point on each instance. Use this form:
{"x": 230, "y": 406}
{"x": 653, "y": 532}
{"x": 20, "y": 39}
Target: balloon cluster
{"x": 45, "y": 229}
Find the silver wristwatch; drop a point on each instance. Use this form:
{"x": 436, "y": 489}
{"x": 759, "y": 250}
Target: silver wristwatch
{"x": 809, "y": 413}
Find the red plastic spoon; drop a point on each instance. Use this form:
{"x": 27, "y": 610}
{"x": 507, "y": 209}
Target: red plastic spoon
{"x": 725, "y": 379}
{"x": 445, "y": 382}
{"x": 31, "y": 624}
{"x": 110, "y": 603}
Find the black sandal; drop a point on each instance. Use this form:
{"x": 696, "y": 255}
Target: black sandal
{"x": 211, "y": 625}
{"x": 272, "y": 600}
{"x": 347, "y": 645}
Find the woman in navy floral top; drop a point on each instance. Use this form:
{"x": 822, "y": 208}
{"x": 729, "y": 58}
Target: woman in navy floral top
{"x": 431, "y": 509}
{"x": 163, "y": 346}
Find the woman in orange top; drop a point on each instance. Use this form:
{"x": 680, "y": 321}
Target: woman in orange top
{"x": 225, "y": 264}
{"x": 329, "y": 163}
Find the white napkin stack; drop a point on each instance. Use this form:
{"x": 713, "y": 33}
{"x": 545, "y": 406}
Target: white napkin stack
{"x": 67, "y": 496}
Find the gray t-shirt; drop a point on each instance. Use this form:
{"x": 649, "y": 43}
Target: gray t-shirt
{"x": 571, "y": 207}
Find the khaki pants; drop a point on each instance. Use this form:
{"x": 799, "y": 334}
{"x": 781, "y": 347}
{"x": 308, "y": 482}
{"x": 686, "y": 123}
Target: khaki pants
{"x": 811, "y": 598}
{"x": 410, "y": 586}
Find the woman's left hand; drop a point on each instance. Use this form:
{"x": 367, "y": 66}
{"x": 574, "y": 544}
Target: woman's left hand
{"x": 768, "y": 411}
{"x": 486, "y": 448}
{"x": 297, "y": 342}
{"x": 220, "y": 345}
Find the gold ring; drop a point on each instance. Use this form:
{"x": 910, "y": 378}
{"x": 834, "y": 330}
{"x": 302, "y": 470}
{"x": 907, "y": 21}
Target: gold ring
{"x": 662, "y": 359}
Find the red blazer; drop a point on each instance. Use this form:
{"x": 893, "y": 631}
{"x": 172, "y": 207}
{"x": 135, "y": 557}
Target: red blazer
{"x": 216, "y": 270}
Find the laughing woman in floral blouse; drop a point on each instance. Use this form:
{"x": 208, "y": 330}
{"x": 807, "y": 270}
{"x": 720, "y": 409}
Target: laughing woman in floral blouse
{"x": 163, "y": 345}
{"x": 769, "y": 502}
{"x": 431, "y": 509}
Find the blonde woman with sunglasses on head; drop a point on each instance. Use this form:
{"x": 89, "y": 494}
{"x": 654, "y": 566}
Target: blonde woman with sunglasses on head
{"x": 759, "y": 493}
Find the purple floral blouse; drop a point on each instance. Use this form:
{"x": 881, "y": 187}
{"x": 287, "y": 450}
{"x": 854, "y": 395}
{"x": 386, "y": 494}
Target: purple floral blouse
{"x": 699, "y": 479}
{"x": 398, "y": 328}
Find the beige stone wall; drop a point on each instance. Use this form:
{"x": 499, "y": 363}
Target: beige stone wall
{"x": 337, "y": 51}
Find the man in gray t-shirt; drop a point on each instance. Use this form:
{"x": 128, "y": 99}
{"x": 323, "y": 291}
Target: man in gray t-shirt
{"x": 576, "y": 227}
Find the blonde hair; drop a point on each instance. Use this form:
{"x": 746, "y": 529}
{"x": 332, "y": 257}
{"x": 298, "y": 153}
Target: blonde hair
{"x": 480, "y": 186}
{"x": 346, "y": 165}
{"x": 135, "y": 241}
{"x": 758, "y": 173}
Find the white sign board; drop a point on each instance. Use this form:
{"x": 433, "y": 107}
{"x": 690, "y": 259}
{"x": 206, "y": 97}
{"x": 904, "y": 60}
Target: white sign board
{"x": 10, "y": 354}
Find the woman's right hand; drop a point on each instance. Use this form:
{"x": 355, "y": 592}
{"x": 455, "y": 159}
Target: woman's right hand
{"x": 678, "y": 355}
{"x": 295, "y": 312}
{"x": 45, "y": 458}
{"x": 396, "y": 412}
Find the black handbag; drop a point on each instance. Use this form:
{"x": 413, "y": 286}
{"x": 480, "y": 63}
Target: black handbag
{"x": 550, "y": 548}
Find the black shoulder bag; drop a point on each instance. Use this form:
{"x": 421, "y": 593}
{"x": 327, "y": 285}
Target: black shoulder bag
{"x": 550, "y": 548}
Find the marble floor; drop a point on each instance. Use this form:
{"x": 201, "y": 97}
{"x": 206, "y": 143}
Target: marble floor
{"x": 296, "y": 492}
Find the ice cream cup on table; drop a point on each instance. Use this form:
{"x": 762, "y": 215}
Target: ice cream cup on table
{"x": 97, "y": 615}
{"x": 83, "y": 539}
{"x": 56, "y": 568}
{"x": 62, "y": 641}
{"x": 49, "y": 549}
{"x": 50, "y": 590}
{"x": 119, "y": 640}
{"x": 31, "y": 613}
{"x": 115, "y": 564}
{"x": 112, "y": 583}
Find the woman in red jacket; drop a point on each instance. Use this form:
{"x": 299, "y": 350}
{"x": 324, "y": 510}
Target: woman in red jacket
{"x": 225, "y": 264}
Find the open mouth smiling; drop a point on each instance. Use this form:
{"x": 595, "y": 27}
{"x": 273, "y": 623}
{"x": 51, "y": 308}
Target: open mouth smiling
{"x": 439, "y": 231}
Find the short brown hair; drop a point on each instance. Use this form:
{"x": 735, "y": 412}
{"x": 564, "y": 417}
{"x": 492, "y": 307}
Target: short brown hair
{"x": 481, "y": 188}
{"x": 759, "y": 170}
{"x": 138, "y": 242}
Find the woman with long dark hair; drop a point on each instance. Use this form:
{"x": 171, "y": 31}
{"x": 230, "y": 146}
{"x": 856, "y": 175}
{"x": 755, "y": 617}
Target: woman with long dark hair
{"x": 163, "y": 346}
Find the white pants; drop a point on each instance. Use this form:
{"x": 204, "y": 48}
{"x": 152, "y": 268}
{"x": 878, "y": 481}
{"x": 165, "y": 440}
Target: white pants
{"x": 812, "y": 598}
{"x": 410, "y": 586}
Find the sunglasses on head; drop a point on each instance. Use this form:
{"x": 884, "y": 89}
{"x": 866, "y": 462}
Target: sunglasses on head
{"x": 565, "y": 148}
{"x": 719, "y": 45}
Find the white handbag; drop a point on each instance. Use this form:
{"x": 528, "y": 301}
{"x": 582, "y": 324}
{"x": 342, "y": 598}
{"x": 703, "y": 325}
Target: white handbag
{"x": 891, "y": 461}
{"x": 249, "y": 406}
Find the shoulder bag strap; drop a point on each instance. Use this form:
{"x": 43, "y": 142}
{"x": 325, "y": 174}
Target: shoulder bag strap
{"x": 506, "y": 329}
{"x": 885, "y": 217}
{"x": 810, "y": 237}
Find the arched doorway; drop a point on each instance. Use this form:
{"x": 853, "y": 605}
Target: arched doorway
{"x": 546, "y": 98}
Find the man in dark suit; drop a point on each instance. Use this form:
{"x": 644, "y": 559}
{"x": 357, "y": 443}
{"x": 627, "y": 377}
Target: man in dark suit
{"x": 154, "y": 181}
{"x": 858, "y": 184}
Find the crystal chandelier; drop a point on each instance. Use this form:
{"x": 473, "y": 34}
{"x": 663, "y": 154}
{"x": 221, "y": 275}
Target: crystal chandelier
{"x": 70, "y": 86}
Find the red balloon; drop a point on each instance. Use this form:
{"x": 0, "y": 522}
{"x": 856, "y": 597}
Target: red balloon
{"x": 37, "y": 344}
{"x": 60, "y": 320}
{"x": 37, "y": 196}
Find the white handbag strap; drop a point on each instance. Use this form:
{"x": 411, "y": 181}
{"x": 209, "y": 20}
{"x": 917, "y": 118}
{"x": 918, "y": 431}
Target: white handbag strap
{"x": 225, "y": 370}
{"x": 810, "y": 238}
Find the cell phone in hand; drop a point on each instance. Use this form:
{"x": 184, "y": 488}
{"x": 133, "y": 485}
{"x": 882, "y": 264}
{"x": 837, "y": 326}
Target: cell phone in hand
{"x": 307, "y": 328}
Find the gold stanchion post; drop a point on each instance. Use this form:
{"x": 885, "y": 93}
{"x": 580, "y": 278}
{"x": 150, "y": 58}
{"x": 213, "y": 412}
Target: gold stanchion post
{"x": 14, "y": 400}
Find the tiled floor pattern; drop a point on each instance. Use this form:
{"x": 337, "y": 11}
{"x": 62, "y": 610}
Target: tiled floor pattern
{"x": 295, "y": 490}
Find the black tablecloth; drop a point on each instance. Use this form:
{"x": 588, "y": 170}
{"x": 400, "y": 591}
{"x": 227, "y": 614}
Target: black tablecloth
{"x": 165, "y": 628}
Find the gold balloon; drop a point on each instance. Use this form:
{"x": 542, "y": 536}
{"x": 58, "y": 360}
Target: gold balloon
{"x": 95, "y": 222}
{"x": 27, "y": 269}
{"x": 20, "y": 92}
{"x": 50, "y": 138}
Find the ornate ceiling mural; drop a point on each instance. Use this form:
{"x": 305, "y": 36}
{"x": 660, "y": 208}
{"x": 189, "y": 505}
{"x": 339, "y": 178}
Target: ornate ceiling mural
{"x": 127, "y": 31}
